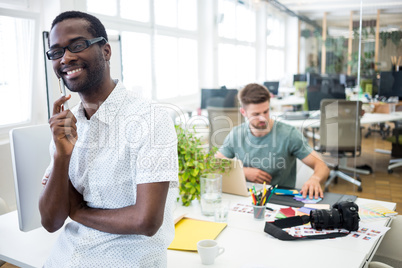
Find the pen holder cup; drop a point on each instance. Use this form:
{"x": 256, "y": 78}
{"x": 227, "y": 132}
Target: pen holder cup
{"x": 259, "y": 213}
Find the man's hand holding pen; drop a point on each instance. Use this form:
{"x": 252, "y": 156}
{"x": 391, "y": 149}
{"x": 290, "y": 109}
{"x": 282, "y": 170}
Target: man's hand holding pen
{"x": 63, "y": 126}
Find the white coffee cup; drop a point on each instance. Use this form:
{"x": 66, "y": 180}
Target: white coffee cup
{"x": 209, "y": 250}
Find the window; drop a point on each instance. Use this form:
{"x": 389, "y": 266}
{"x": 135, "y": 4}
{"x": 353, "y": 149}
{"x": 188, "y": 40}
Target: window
{"x": 16, "y": 66}
{"x": 236, "y": 48}
{"x": 275, "y": 60}
{"x": 105, "y": 7}
{"x": 137, "y": 62}
{"x": 160, "y": 58}
{"x": 176, "y": 66}
{"x": 239, "y": 70}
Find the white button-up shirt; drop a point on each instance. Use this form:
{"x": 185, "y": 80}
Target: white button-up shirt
{"x": 128, "y": 141}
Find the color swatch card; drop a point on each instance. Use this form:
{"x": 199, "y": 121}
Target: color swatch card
{"x": 377, "y": 208}
{"x": 306, "y": 200}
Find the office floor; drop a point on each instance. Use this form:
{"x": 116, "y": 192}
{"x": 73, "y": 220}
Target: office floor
{"x": 379, "y": 185}
{"x": 7, "y": 265}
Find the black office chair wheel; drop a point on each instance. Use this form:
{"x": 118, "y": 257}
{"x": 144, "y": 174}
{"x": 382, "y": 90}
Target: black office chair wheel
{"x": 390, "y": 171}
{"x": 359, "y": 189}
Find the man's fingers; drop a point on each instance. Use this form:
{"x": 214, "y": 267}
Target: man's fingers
{"x": 57, "y": 105}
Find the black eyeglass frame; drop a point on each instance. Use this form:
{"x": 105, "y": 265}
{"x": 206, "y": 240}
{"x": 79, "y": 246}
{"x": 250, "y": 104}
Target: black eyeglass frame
{"x": 88, "y": 43}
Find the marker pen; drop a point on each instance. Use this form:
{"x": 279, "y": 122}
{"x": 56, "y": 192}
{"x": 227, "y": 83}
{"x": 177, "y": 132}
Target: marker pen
{"x": 63, "y": 92}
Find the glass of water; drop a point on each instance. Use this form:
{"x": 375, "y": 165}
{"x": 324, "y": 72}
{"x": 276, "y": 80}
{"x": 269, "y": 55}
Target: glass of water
{"x": 211, "y": 193}
{"x": 222, "y": 211}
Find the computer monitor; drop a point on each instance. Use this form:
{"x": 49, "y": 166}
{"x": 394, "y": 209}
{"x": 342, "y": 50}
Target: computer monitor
{"x": 273, "y": 86}
{"x": 323, "y": 87}
{"x": 390, "y": 85}
{"x": 299, "y": 78}
{"x": 221, "y": 97}
{"x": 348, "y": 81}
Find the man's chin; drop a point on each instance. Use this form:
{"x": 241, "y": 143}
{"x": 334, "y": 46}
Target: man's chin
{"x": 260, "y": 127}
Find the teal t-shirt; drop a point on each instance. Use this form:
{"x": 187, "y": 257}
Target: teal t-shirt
{"x": 274, "y": 153}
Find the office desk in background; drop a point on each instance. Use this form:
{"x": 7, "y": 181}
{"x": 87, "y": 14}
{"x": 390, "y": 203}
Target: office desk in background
{"x": 368, "y": 118}
{"x": 292, "y": 100}
{"x": 246, "y": 244}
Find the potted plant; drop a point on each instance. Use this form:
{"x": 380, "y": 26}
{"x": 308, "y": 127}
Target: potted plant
{"x": 193, "y": 162}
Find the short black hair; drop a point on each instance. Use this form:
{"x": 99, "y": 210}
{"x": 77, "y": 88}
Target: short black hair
{"x": 95, "y": 28}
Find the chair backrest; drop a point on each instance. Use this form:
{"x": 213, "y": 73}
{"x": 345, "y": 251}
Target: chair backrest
{"x": 221, "y": 122}
{"x": 30, "y": 158}
{"x": 340, "y": 126}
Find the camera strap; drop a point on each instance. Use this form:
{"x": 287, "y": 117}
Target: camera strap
{"x": 275, "y": 229}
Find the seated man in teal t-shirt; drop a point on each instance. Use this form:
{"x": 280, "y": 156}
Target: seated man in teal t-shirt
{"x": 269, "y": 148}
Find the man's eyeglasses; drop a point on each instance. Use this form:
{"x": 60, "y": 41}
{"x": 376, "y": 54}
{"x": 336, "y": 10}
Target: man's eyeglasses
{"x": 77, "y": 46}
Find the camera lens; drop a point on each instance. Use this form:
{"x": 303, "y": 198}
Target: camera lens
{"x": 325, "y": 219}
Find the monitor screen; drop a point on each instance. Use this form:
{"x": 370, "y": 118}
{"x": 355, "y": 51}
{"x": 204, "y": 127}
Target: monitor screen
{"x": 222, "y": 97}
{"x": 390, "y": 84}
{"x": 299, "y": 78}
{"x": 273, "y": 86}
{"x": 348, "y": 81}
{"x": 323, "y": 87}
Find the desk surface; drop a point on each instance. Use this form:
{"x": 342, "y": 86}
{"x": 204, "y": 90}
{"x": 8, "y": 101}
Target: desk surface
{"x": 246, "y": 244}
{"x": 368, "y": 118}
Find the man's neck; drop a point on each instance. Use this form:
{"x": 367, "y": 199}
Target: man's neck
{"x": 93, "y": 100}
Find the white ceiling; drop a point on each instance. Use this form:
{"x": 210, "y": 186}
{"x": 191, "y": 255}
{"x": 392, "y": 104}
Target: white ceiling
{"x": 338, "y": 11}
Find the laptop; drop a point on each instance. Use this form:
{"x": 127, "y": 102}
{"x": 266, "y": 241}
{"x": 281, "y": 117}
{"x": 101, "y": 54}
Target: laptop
{"x": 234, "y": 181}
{"x": 30, "y": 158}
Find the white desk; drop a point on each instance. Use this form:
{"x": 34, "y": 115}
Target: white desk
{"x": 276, "y": 104}
{"x": 368, "y": 118}
{"x": 246, "y": 245}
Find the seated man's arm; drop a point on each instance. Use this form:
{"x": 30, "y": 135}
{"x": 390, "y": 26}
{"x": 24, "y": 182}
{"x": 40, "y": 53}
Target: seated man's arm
{"x": 252, "y": 174}
{"x": 143, "y": 218}
{"x": 312, "y": 187}
{"x": 54, "y": 204}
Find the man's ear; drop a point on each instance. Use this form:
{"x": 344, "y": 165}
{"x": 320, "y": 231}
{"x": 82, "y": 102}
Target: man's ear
{"x": 107, "y": 51}
{"x": 242, "y": 111}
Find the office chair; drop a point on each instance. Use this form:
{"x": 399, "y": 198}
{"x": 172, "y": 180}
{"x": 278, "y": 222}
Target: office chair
{"x": 396, "y": 151}
{"x": 340, "y": 136}
{"x": 221, "y": 122}
{"x": 30, "y": 158}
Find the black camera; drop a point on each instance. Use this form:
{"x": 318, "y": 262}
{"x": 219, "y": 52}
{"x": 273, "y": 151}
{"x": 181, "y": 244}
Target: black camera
{"x": 344, "y": 215}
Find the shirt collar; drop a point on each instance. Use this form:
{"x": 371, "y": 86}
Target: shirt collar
{"x": 107, "y": 111}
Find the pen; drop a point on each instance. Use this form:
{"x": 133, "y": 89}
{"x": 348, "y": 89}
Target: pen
{"x": 263, "y": 198}
{"x": 273, "y": 190}
{"x": 63, "y": 92}
{"x": 253, "y": 197}
{"x": 255, "y": 192}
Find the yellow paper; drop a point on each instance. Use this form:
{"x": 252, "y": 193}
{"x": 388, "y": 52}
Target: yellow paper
{"x": 189, "y": 231}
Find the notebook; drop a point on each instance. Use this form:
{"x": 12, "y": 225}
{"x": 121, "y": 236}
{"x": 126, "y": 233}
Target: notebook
{"x": 185, "y": 237}
{"x": 234, "y": 181}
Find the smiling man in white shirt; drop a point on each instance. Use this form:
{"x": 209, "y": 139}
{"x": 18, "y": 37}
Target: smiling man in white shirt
{"x": 114, "y": 160}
